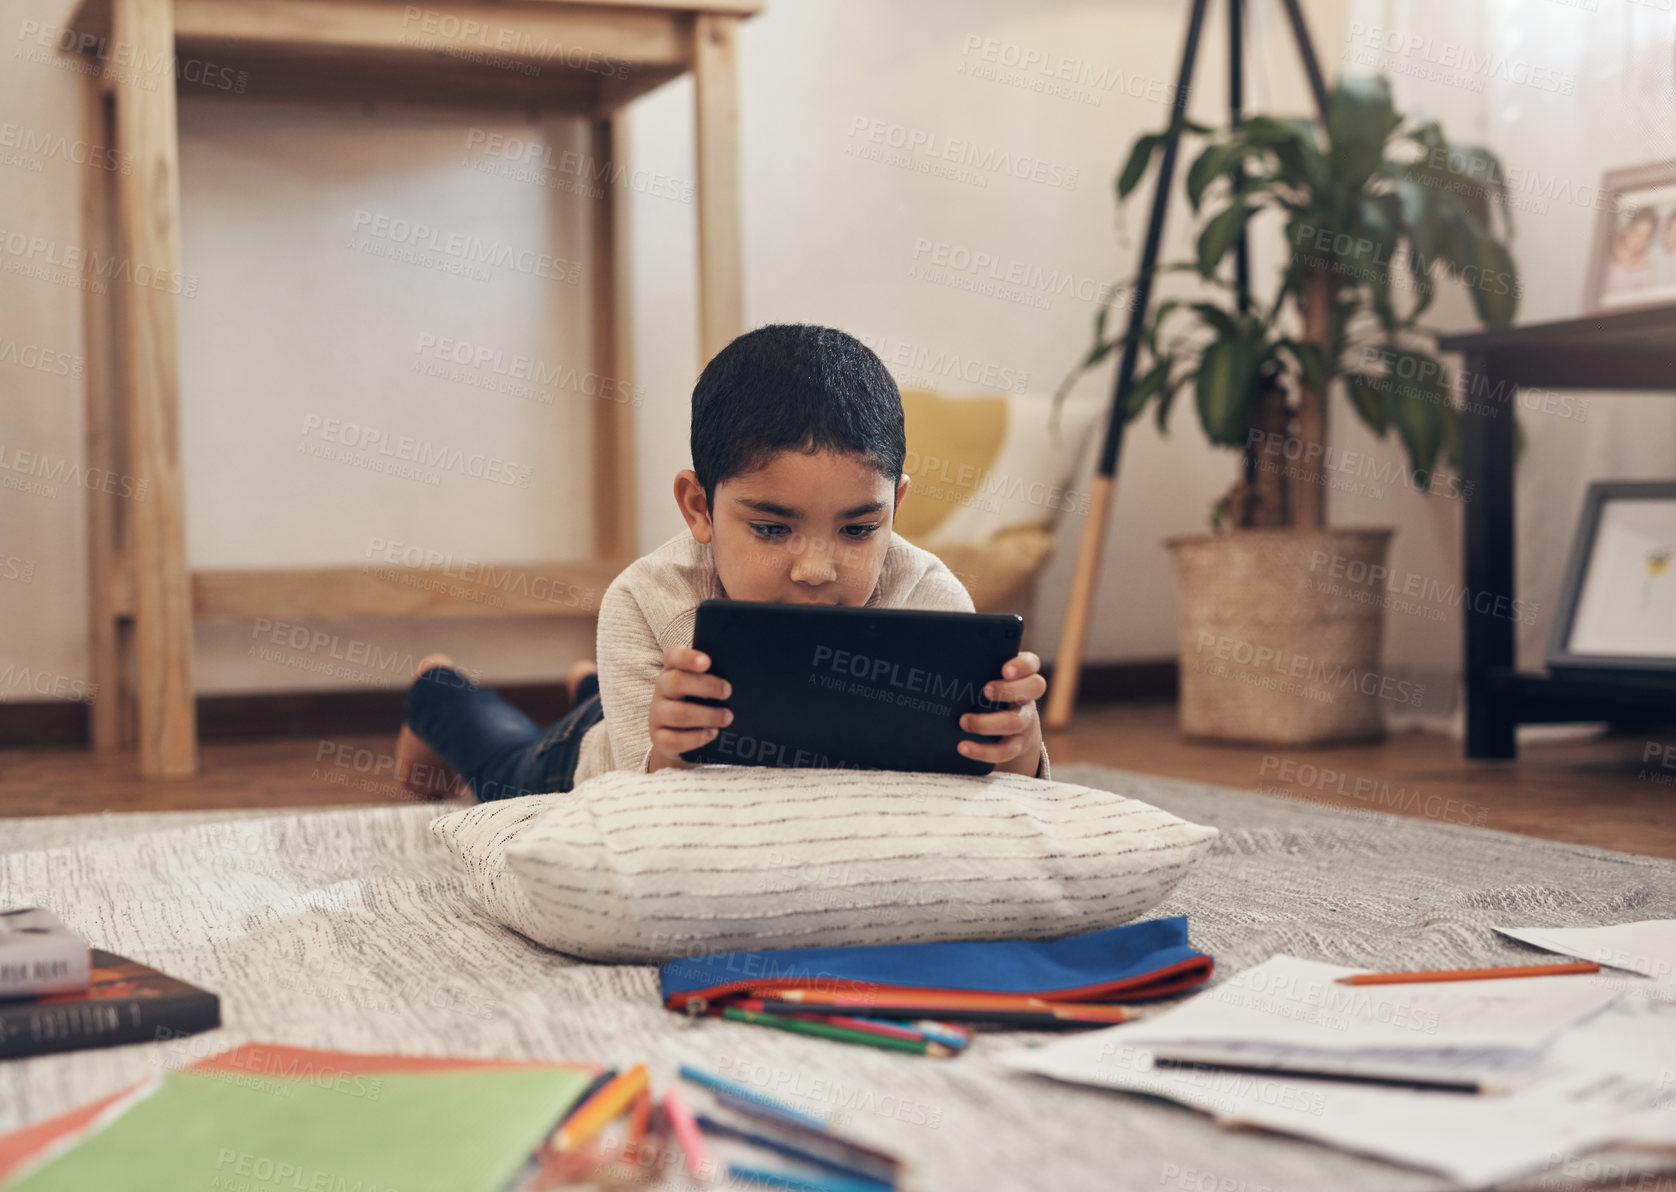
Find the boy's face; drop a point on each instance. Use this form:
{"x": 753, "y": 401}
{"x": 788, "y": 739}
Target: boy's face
{"x": 802, "y": 529}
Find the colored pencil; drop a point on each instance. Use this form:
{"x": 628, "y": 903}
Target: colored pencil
{"x": 594, "y": 1085}
{"x": 883, "y": 1160}
{"x": 918, "y": 997}
{"x": 930, "y": 1002}
{"x": 943, "y": 1032}
{"x": 687, "y": 1136}
{"x": 843, "y": 1034}
{"x": 1439, "y": 1084}
{"x": 900, "y": 1030}
{"x": 720, "y": 1085}
{"x": 602, "y": 1108}
{"x": 639, "y": 1118}
{"x": 798, "y": 1182}
{"x": 1047, "y": 1014}
{"x": 791, "y": 1151}
{"x": 1489, "y": 974}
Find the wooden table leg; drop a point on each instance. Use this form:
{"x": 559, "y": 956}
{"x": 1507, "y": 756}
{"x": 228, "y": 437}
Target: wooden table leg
{"x": 1487, "y": 458}
{"x": 102, "y": 438}
{"x": 613, "y": 318}
{"x": 716, "y": 90}
{"x": 145, "y": 284}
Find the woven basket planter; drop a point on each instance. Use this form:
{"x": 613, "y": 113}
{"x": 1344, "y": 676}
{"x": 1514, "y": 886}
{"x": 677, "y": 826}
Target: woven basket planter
{"x": 1279, "y": 633}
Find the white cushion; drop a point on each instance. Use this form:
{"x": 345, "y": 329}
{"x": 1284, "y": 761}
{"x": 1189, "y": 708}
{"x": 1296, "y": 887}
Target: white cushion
{"x": 684, "y": 862}
{"x": 478, "y": 836}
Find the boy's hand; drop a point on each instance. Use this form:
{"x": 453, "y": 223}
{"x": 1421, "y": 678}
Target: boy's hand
{"x": 676, "y": 725}
{"x": 1020, "y": 747}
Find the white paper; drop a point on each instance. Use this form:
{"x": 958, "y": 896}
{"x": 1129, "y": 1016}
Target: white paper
{"x": 1475, "y": 1140}
{"x": 1602, "y": 1068}
{"x": 1648, "y": 947}
{"x": 1290, "y": 1002}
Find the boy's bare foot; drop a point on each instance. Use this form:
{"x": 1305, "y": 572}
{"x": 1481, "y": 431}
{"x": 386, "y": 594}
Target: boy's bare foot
{"x": 574, "y": 676}
{"x": 420, "y": 768}
{"x": 430, "y": 662}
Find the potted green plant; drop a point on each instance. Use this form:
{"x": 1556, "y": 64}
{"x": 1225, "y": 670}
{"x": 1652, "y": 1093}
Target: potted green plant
{"x": 1279, "y": 627}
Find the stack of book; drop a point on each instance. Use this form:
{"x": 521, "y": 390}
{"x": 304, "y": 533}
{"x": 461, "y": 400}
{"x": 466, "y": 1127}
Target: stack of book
{"x": 59, "y": 994}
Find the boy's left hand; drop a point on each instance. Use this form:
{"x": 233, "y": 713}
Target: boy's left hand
{"x": 1019, "y": 749}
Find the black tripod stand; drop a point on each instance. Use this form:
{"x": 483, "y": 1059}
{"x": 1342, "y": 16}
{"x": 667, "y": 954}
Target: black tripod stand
{"x": 1073, "y": 634}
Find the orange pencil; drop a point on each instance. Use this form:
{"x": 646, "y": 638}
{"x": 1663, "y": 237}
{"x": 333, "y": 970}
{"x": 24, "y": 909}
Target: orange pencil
{"x": 1528, "y": 970}
{"x": 932, "y": 1000}
{"x": 601, "y": 1109}
{"x": 927, "y": 997}
{"x": 639, "y": 1119}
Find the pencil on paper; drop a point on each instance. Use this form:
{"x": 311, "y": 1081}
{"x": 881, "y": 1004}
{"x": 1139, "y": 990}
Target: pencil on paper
{"x": 1528, "y": 970}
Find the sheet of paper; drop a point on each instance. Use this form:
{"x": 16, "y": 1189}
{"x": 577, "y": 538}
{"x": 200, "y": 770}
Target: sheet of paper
{"x": 1604, "y": 1079}
{"x": 1631, "y": 1049}
{"x": 1648, "y": 947}
{"x": 467, "y": 1131}
{"x": 1475, "y": 1140}
{"x": 1290, "y": 1002}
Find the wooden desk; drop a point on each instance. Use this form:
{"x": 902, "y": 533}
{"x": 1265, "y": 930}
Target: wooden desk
{"x": 1622, "y": 349}
{"x": 584, "y": 59}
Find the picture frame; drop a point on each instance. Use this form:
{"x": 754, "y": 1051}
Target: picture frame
{"x": 1617, "y": 611}
{"x": 1632, "y": 261}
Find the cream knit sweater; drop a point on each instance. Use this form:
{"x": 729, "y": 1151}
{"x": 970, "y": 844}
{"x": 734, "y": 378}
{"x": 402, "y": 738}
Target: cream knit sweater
{"x": 651, "y": 606}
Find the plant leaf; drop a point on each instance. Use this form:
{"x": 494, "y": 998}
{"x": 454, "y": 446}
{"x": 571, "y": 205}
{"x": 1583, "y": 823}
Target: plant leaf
{"x": 1167, "y": 399}
{"x": 1140, "y": 156}
{"x": 1360, "y": 117}
{"x": 1206, "y": 169}
{"x": 1222, "y": 386}
{"x": 1419, "y": 405}
{"x": 1142, "y": 390}
{"x": 1493, "y": 282}
{"x": 1155, "y": 323}
{"x": 1219, "y": 235}
{"x": 1368, "y": 399}
{"x": 1220, "y": 320}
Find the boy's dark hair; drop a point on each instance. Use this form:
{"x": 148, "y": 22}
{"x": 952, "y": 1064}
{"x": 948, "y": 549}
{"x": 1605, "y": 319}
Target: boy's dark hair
{"x": 794, "y": 387}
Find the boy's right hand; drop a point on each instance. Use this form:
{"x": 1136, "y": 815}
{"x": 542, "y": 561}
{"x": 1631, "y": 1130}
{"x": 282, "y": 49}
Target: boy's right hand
{"x": 676, "y": 725}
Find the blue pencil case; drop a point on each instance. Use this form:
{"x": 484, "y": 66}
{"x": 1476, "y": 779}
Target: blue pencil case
{"x": 1135, "y": 962}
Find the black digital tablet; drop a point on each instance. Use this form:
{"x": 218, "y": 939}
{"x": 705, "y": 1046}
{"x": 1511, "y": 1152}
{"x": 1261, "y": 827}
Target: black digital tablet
{"x": 851, "y": 688}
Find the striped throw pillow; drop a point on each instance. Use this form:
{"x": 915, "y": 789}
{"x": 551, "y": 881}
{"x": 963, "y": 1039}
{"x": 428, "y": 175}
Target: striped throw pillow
{"x": 654, "y": 867}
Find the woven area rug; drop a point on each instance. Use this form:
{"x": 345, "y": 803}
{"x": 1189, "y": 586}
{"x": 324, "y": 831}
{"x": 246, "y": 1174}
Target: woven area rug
{"x": 351, "y": 929}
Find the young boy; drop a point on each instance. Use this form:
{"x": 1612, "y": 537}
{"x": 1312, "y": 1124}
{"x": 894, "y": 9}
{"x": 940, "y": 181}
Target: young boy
{"x": 797, "y": 450}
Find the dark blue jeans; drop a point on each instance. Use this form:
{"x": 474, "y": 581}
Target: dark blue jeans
{"x": 498, "y": 751}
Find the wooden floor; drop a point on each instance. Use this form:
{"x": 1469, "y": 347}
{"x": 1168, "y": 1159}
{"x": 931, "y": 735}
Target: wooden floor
{"x": 1600, "y": 793}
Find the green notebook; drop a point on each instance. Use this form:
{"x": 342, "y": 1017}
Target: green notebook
{"x": 459, "y": 1131}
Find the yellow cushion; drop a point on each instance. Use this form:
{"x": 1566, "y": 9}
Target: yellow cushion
{"x": 998, "y": 571}
{"x": 952, "y": 443}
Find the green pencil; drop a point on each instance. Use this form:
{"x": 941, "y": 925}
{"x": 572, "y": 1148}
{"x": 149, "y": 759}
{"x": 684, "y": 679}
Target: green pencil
{"x": 798, "y": 1026}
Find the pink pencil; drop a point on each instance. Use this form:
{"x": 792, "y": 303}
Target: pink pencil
{"x": 687, "y": 1134}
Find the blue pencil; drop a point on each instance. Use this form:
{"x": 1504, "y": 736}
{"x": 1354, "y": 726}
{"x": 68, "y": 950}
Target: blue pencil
{"x": 739, "y": 1090}
{"x": 939, "y": 1032}
{"x": 863, "y": 1154}
{"x": 848, "y": 1170}
{"x": 800, "y": 1183}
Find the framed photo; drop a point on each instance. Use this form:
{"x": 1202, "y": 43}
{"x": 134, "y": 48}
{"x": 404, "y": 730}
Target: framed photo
{"x": 1617, "y": 610}
{"x": 1633, "y": 261}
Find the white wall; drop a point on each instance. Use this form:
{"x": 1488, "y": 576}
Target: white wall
{"x": 293, "y": 318}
